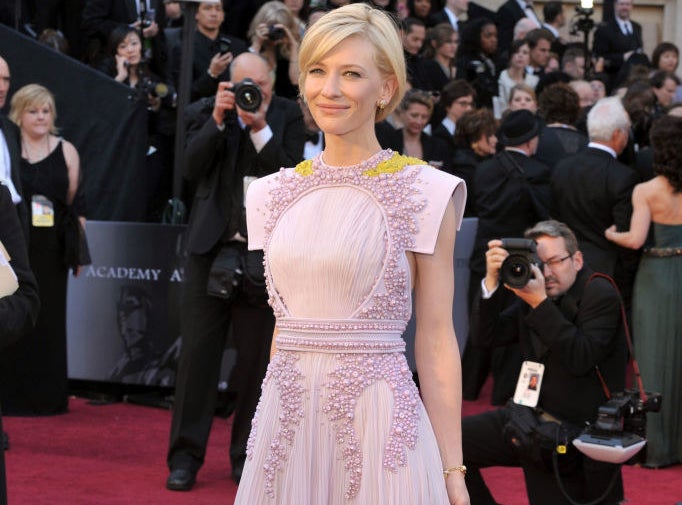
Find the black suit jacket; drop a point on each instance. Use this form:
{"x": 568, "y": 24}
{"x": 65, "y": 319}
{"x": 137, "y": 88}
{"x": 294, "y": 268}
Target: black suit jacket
{"x": 591, "y": 191}
{"x": 218, "y": 160}
{"x": 13, "y": 139}
{"x": 571, "y": 335}
{"x": 556, "y": 142}
{"x": 506, "y": 18}
{"x": 511, "y": 193}
{"x": 18, "y": 311}
{"x": 611, "y": 44}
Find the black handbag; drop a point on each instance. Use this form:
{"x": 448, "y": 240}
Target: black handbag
{"x": 225, "y": 274}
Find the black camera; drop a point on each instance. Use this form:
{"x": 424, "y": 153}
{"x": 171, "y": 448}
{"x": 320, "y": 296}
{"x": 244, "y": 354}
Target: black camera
{"x": 275, "y": 32}
{"x": 147, "y": 18}
{"x": 158, "y": 89}
{"x": 516, "y": 269}
{"x": 626, "y": 411}
{"x": 248, "y": 95}
{"x": 222, "y": 45}
{"x": 619, "y": 432}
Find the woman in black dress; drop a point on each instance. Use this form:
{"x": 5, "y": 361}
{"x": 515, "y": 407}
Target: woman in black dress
{"x": 33, "y": 371}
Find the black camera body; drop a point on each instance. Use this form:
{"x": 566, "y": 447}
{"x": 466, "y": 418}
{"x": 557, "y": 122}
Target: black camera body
{"x": 516, "y": 269}
{"x": 248, "y": 95}
{"x": 626, "y": 411}
{"x": 275, "y": 33}
{"x": 222, "y": 45}
{"x": 158, "y": 89}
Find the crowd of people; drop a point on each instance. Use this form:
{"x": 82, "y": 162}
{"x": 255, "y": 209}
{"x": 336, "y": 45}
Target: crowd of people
{"x": 576, "y": 151}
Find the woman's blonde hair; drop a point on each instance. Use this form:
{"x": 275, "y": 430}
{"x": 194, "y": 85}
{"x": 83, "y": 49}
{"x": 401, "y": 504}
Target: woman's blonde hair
{"x": 357, "y": 20}
{"x": 33, "y": 95}
{"x": 276, "y": 13}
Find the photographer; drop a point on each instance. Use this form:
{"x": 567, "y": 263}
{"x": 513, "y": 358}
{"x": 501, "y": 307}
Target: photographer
{"x": 570, "y": 324}
{"x": 275, "y": 35}
{"x": 127, "y": 65}
{"x": 213, "y": 52}
{"x": 231, "y": 149}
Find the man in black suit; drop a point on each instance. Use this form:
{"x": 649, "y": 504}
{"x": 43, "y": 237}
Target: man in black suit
{"x": 506, "y": 17}
{"x": 592, "y": 190}
{"x": 570, "y": 325}
{"x": 617, "y": 40}
{"x": 10, "y": 150}
{"x": 511, "y": 192}
{"x": 232, "y": 148}
{"x": 19, "y": 310}
{"x": 213, "y": 52}
{"x": 100, "y": 17}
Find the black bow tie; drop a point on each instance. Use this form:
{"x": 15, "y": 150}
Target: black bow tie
{"x": 314, "y": 138}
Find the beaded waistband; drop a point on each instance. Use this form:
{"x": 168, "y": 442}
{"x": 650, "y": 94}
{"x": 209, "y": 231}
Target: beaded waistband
{"x": 340, "y": 336}
{"x": 663, "y": 252}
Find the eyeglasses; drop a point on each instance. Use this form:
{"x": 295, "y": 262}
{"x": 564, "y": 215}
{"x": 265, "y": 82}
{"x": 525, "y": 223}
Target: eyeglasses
{"x": 556, "y": 262}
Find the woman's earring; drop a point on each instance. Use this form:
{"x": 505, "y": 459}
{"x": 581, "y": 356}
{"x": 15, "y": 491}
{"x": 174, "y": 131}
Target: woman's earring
{"x": 381, "y": 104}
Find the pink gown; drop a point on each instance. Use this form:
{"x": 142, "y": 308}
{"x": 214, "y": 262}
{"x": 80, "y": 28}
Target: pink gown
{"x": 340, "y": 420}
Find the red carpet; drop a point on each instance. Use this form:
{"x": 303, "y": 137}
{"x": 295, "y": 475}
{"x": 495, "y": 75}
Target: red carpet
{"x": 115, "y": 455}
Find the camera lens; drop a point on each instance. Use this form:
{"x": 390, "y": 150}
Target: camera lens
{"x": 275, "y": 32}
{"x": 248, "y": 95}
{"x": 515, "y": 271}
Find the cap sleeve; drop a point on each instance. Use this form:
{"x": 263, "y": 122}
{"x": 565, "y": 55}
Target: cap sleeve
{"x": 257, "y": 211}
{"x": 437, "y": 187}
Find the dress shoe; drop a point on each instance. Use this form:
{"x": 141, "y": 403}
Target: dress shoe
{"x": 181, "y": 479}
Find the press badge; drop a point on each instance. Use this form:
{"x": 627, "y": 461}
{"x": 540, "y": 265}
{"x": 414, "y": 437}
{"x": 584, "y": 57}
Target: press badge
{"x": 42, "y": 211}
{"x": 529, "y": 383}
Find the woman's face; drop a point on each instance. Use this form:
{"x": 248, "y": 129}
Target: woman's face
{"x": 489, "y": 39}
{"x": 668, "y": 61}
{"x": 415, "y": 118}
{"x": 343, "y": 89}
{"x": 521, "y": 58}
{"x": 130, "y": 48}
{"x": 448, "y": 47}
{"x": 523, "y": 100}
{"x": 422, "y": 8}
{"x": 36, "y": 120}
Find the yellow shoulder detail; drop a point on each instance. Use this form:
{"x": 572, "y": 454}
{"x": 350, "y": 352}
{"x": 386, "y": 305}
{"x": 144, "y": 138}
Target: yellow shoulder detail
{"x": 304, "y": 168}
{"x": 392, "y": 165}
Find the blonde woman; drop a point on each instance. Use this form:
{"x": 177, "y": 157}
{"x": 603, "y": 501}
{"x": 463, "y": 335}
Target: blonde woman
{"x": 49, "y": 177}
{"x": 347, "y": 237}
{"x": 275, "y": 34}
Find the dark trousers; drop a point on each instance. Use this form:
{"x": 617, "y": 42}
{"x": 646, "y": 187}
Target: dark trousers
{"x": 205, "y": 323}
{"x": 484, "y": 445}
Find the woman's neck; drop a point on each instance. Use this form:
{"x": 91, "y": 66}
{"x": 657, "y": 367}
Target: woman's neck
{"x": 344, "y": 150}
{"x": 516, "y": 74}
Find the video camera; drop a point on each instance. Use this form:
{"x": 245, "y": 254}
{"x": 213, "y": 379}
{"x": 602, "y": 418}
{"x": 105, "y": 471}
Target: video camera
{"x": 516, "y": 269}
{"x": 620, "y": 429}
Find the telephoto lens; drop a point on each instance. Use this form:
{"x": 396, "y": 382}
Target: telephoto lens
{"x": 248, "y": 95}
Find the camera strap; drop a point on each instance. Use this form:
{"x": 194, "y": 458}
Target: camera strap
{"x": 632, "y": 361}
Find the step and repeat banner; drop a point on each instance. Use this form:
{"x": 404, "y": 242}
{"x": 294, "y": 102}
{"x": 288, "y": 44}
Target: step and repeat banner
{"x": 123, "y": 311}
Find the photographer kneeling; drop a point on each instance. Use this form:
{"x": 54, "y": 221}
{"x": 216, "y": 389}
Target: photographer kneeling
{"x": 568, "y": 325}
